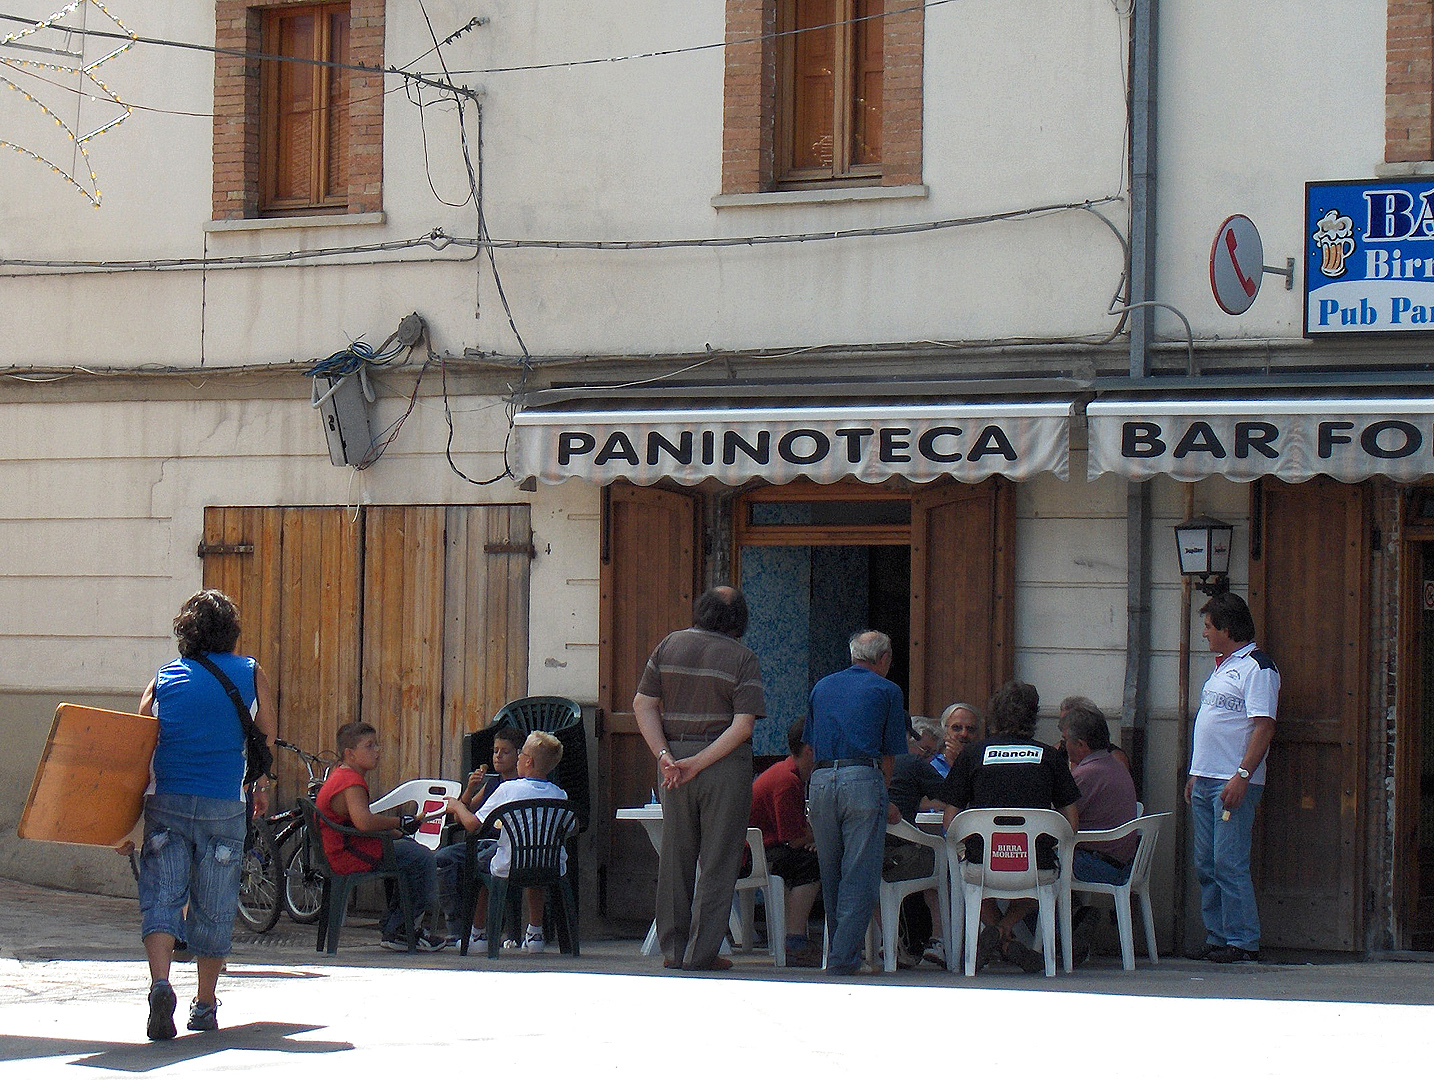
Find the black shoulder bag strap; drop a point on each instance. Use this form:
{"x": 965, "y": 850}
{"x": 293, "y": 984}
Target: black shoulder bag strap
{"x": 259, "y": 759}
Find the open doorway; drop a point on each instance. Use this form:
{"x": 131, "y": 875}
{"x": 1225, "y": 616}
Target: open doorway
{"x": 806, "y": 601}
{"x": 818, "y": 565}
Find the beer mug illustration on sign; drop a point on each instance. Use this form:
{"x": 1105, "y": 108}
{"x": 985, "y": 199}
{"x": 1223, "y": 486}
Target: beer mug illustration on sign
{"x": 1335, "y": 236}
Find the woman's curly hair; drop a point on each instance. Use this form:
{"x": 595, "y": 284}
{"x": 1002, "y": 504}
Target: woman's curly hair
{"x": 208, "y": 622}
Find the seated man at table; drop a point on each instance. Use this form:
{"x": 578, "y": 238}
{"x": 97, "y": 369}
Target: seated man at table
{"x": 540, "y": 755}
{"x": 1107, "y": 799}
{"x": 1001, "y": 770}
{"x": 1074, "y": 700}
{"x": 961, "y": 724}
{"x": 914, "y": 787}
{"x": 779, "y": 809}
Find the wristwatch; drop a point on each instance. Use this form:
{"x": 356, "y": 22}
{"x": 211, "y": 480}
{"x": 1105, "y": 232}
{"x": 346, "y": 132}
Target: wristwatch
{"x": 1243, "y": 773}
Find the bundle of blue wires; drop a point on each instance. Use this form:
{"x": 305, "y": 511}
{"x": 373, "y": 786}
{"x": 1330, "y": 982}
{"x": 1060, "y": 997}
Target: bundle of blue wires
{"x": 347, "y": 361}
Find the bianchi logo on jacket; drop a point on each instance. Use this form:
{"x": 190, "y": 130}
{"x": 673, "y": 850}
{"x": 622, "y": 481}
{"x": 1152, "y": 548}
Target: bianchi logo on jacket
{"x": 1012, "y": 755}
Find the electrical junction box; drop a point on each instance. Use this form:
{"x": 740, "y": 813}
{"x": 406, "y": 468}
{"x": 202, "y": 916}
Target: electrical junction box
{"x": 342, "y": 401}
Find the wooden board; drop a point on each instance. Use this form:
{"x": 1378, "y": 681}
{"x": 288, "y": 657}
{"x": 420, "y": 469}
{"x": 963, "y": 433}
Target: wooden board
{"x": 89, "y": 786}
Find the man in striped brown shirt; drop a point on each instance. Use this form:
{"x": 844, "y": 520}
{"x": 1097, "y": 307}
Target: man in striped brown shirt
{"x": 696, "y": 704}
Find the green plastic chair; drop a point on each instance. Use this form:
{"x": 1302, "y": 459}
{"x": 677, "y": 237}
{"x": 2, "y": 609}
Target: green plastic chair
{"x": 334, "y": 897}
{"x": 537, "y": 830}
{"x": 531, "y": 714}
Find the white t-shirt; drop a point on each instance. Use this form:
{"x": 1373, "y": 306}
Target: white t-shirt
{"x": 511, "y": 791}
{"x": 1245, "y": 685}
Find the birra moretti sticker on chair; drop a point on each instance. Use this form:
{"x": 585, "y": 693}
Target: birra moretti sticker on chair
{"x": 1009, "y": 852}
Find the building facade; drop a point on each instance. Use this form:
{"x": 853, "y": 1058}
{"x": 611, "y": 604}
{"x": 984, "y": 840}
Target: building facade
{"x": 895, "y": 314}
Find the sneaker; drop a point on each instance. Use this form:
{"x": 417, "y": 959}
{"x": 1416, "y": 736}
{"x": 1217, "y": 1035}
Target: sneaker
{"x": 425, "y": 942}
{"x": 1023, "y": 956}
{"x": 161, "y": 1011}
{"x": 1233, "y": 954}
{"x": 510, "y": 943}
{"x": 478, "y": 941}
{"x": 533, "y": 940}
{"x": 202, "y": 1016}
{"x": 988, "y": 946}
{"x": 935, "y": 952}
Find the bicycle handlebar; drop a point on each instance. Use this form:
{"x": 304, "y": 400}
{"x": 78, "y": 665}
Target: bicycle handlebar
{"x": 309, "y": 760}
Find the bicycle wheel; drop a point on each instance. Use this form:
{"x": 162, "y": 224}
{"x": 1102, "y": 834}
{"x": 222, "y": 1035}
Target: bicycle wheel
{"x": 303, "y": 888}
{"x": 259, "y": 882}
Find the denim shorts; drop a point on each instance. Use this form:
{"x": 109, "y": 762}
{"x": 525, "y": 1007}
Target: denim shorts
{"x": 192, "y": 853}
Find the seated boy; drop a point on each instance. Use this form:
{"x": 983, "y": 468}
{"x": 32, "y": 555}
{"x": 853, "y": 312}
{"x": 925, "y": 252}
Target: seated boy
{"x": 344, "y": 798}
{"x": 507, "y": 741}
{"x": 540, "y": 755}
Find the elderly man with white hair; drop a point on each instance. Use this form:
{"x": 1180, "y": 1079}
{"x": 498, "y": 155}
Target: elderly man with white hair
{"x": 856, "y": 725}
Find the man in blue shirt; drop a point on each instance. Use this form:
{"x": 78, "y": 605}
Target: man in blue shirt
{"x": 856, "y": 725}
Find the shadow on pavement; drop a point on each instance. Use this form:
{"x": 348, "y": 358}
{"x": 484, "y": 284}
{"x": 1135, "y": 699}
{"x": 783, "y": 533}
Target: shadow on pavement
{"x": 144, "y": 1057}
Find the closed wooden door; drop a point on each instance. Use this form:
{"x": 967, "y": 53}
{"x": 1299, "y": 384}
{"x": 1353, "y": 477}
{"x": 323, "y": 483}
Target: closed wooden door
{"x": 413, "y": 618}
{"x": 1308, "y": 590}
{"x": 295, "y": 573}
{"x": 649, "y": 577}
{"x": 963, "y": 571}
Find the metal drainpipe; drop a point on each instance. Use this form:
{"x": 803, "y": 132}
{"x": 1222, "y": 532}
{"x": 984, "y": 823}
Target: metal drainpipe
{"x": 1135, "y": 705}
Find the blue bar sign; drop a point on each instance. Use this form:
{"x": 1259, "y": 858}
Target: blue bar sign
{"x": 1369, "y": 256}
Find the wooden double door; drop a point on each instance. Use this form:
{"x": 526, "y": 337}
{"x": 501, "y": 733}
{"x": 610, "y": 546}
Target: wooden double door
{"x": 655, "y": 546}
{"x": 412, "y": 618}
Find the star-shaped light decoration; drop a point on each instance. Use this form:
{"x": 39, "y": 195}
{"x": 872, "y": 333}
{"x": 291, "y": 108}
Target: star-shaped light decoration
{"x": 35, "y": 38}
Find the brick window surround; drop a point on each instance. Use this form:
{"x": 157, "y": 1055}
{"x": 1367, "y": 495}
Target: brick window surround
{"x": 749, "y": 96}
{"x": 238, "y": 25}
{"x": 1409, "y": 82}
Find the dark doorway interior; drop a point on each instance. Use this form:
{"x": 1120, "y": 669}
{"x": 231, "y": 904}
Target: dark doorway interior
{"x": 806, "y": 601}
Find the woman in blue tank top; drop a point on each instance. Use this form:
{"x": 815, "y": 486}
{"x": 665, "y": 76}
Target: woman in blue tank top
{"x": 195, "y": 812}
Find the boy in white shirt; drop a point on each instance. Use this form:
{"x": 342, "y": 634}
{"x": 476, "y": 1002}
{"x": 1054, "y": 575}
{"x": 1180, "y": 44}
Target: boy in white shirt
{"x": 540, "y": 755}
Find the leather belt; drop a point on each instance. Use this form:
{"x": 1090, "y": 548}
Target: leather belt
{"x": 846, "y": 762}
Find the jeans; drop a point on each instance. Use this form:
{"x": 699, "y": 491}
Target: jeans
{"x": 449, "y": 863}
{"x": 1221, "y": 851}
{"x": 1088, "y": 866}
{"x": 415, "y": 864}
{"x": 848, "y": 815}
{"x": 192, "y": 853}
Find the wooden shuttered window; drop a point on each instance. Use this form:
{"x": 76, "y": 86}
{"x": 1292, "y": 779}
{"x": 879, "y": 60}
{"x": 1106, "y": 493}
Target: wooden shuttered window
{"x": 304, "y": 127}
{"x": 829, "y": 104}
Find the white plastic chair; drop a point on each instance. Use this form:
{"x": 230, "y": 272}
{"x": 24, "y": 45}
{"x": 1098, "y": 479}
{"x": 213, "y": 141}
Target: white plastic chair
{"x": 1008, "y": 870}
{"x": 774, "y": 895}
{"x": 894, "y": 892}
{"x": 1137, "y": 884}
{"x": 430, "y": 796}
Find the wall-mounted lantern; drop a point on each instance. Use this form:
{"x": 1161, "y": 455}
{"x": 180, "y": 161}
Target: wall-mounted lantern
{"x": 1204, "y": 547}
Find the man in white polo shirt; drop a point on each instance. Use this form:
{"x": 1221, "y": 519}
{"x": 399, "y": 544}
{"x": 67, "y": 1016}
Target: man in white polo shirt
{"x": 1233, "y": 730}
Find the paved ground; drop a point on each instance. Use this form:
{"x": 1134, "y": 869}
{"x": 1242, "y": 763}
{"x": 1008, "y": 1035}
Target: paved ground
{"x": 72, "y": 993}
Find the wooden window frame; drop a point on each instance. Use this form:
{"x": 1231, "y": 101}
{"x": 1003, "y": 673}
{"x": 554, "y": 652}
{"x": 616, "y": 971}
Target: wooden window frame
{"x": 238, "y": 127}
{"x": 752, "y": 107}
{"x": 845, "y": 99}
{"x": 322, "y": 154}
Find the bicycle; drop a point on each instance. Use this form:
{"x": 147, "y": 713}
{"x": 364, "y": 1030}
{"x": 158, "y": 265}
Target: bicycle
{"x": 269, "y": 883}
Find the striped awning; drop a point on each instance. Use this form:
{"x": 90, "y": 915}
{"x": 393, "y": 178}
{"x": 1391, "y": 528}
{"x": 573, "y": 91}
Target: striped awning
{"x": 1349, "y": 439}
{"x": 869, "y": 442}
